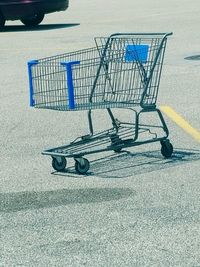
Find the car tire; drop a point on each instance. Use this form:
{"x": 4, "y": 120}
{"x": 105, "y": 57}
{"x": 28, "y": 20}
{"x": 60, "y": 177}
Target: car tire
{"x": 2, "y": 21}
{"x": 33, "y": 20}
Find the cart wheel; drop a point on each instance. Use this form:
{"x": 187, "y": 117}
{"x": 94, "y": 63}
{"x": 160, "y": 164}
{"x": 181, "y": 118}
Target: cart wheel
{"x": 82, "y": 165}
{"x": 166, "y": 149}
{"x": 59, "y": 163}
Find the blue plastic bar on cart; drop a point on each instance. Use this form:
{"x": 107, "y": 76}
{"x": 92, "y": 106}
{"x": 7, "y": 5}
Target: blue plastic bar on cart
{"x": 70, "y": 84}
{"x": 137, "y": 53}
{"x": 30, "y": 64}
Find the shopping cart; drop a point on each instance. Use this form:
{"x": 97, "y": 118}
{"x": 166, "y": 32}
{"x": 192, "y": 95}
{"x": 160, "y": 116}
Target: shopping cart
{"x": 121, "y": 71}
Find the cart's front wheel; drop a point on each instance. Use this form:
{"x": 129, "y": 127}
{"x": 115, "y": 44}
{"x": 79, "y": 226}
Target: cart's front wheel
{"x": 82, "y": 165}
{"x": 59, "y": 163}
{"x": 166, "y": 149}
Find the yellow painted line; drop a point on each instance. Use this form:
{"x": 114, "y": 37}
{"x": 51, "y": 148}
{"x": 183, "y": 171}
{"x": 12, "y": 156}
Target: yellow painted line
{"x": 181, "y": 122}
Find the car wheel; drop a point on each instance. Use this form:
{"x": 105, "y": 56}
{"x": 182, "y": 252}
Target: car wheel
{"x": 33, "y": 20}
{"x": 2, "y": 21}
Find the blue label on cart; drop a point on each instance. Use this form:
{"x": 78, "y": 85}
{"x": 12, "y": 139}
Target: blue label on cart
{"x": 136, "y": 53}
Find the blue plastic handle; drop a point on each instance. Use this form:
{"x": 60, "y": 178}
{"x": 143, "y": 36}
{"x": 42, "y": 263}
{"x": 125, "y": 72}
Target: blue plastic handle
{"x": 70, "y": 84}
{"x": 30, "y": 64}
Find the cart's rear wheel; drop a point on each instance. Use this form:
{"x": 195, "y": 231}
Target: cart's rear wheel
{"x": 116, "y": 141}
{"x": 33, "y": 20}
{"x": 82, "y": 165}
{"x": 59, "y": 163}
{"x": 166, "y": 149}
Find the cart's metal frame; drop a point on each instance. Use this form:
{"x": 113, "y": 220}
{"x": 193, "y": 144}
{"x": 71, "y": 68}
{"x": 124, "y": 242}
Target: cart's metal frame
{"x": 122, "y": 134}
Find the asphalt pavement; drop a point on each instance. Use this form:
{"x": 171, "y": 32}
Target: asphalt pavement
{"x": 133, "y": 208}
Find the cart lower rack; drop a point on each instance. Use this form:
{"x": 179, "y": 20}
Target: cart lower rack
{"x": 121, "y": 71}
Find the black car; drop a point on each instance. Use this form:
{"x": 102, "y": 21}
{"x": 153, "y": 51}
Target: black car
{"x": 30, "y": 12}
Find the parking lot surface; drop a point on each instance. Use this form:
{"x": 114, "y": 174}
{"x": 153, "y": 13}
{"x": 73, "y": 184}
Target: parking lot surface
{"x": 133, "y": 208}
